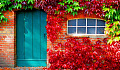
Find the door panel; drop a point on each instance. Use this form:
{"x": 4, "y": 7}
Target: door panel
{"x": 20, "y": 35}
{"x": 31, "y": 38}
{"x": 43, "y": 36}
{"x": 28, "y": 35}
{"x": 36, "y": 34}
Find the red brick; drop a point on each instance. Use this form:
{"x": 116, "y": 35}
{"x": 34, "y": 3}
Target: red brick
{"x": 4, "y": 45}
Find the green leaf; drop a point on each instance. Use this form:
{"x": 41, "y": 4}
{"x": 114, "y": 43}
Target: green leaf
{"x": 111, "y": 29}
{"x": 6, "y": 19}
{"x": 69, "y": 10}
{"x": 61, "y": 3}
{"x": 107, "y": 25}
{"x": 30, "y": 7}
{"x": 112, "y": 11}
{"x": 105, "y": 9}
{"x": 74, "y": 13}
{"x": 107, "y": 15}
{"x": 118, "y": 17}
{"x": 76, "y": 3}
{"x": 1, "y": 17}
{"x": 71, "y": 5}
{"x": 116, "y": 22}
{"x": 2, "y": 5}
{"x": 30, "y": 1}
{"x": 119, "y": 31}
{"x": 116, "y": 39}
{"x": 110, "y": 41}
{"x": 64, "y": 1}
{"x": 1, "y": 13}
{"x": 70, "y": 1}
{"x": 76, "y": 8}
{"x": 107, "y": 29}
{"x": 9, "y": 2}
{"x": 110, "y": 6}
{"x": 82, "y": 8}
{"x": 3, "y": 9}
{"x": 19, "y": 6}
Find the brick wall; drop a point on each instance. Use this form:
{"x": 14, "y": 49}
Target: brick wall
{"x": 7, "y": 41}
{"x": 8, "y": 38}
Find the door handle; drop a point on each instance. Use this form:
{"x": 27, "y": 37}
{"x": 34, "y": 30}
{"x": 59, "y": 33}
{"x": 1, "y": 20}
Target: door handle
{"x": 44, "y": 35}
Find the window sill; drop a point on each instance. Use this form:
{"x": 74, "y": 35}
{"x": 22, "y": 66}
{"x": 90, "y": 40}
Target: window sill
{"x": 88, "y": 35}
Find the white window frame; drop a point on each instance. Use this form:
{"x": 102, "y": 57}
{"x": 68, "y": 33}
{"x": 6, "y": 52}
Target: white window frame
{"x": 86, "y": 27}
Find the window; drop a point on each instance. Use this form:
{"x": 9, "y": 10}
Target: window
{"x": 86, "y": 26}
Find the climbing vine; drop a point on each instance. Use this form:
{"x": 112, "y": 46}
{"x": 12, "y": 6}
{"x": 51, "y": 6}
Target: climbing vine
{"x": 14, "y": 4}
{"x": 113, "y": 25}
{"x": 71, "y": 6}
{"x": 110, "y": 11}
{"x": 93, "y": 56}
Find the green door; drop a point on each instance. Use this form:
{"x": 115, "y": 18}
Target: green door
{"x": 31, "y": 38}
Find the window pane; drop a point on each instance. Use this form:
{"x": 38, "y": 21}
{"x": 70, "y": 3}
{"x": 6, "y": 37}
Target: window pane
{"x": 71, "y": 30}
{"x": 91, "y": 22}
{"x": 100, "y": 30}
{"x": 81, "y": 30}
{"x": 91, "y": 30}
{"x": 72, "y": 22}
{"x": 100, "y": 23}
{"x": 81, "y": 22}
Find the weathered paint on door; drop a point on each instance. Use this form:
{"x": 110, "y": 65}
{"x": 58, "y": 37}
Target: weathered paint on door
{"x": 31, "y": 38}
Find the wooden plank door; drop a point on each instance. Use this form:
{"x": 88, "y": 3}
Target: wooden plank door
{"x": 31, "y": 38}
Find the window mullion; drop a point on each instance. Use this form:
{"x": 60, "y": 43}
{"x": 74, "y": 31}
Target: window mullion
{"x": 96, "y": 27}
{"x": 76, "y": 26}
{"x": 86, "y": 25}
{"x": 67, "y": 27}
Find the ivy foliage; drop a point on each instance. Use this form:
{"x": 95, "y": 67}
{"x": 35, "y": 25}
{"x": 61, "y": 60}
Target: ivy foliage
{"x": 3, "y": 8}
{"x": 109, "y": 11}
{"x": 14, "y": 4}
{"x": 113, "y": 26}
{"x": 72, "y": 6}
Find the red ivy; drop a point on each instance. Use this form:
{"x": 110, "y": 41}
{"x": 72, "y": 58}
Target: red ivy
{"x": 76, "y": 54}
{"x": 53, "y": 27}
{"x": 82, "y": 55}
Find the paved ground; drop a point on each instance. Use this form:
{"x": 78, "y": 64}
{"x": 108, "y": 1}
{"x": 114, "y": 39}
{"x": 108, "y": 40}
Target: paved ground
{"x": 23, "y": 68}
